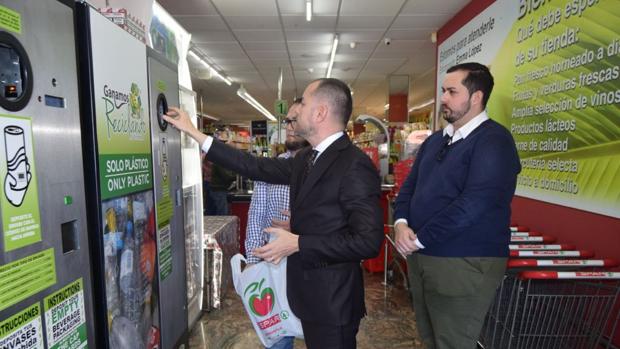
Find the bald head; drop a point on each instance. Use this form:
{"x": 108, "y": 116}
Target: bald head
{"x": 337, "y": 95}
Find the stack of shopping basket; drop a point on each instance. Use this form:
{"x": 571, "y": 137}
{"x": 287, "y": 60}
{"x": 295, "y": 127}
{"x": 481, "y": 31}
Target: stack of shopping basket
{"x": 552, "y": 296}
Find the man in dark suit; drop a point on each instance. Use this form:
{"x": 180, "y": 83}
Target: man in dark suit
{"x": 336, "y": 220}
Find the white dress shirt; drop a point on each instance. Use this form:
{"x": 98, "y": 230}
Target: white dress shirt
{"x": 326, "y": 143}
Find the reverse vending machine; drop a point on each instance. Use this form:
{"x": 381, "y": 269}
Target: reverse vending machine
{"x": 167, "y": 179}
{"x": 45, "y": 269}
{"x": 119, "y": 174}
{"x": 133, "y": 188}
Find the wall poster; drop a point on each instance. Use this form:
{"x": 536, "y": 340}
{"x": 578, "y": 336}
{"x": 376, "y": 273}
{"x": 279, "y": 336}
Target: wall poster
{"x": 556, "y": 66}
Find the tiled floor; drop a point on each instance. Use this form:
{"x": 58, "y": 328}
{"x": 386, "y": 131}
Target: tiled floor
{"x": 389, "y": 323}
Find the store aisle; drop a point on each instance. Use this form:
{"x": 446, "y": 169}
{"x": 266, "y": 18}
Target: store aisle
{"x": 389, "y": 323}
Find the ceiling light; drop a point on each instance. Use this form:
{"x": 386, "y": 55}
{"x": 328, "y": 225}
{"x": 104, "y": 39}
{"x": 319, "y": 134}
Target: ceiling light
{"x": 222, "y": 77}
{"x": 210, "y": 68}
{"x": 241, "y": 92}
{"x": 422, "y": 105}
{"x": 332, "y": 56}
{"x": 208, "y": 116}
{"x": 353, "y": 44}
{"x": 308, "y": 10}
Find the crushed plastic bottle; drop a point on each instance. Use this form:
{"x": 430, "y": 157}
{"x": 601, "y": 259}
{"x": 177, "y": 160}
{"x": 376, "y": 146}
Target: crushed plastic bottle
{"x": 130, "y": 279}
{"x": 124, "y": 334}
{"x": 111, "y": 275}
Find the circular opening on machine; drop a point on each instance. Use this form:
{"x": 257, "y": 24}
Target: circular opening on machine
{"x": 15, "y": 74}
{"x": 162, "y": 108}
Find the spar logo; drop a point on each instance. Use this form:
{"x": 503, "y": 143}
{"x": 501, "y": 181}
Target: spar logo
{"x": 260, "y": 300}
{"x": 124, "y": 112}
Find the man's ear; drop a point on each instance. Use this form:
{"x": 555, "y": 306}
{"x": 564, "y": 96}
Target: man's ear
{"x": 476, "y": 98}
{"x": 321, "y": 113}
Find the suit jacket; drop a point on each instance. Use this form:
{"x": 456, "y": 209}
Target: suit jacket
{"x": 336, "y": 213}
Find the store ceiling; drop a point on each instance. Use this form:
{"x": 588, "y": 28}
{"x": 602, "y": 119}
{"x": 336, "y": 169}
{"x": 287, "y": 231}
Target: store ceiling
{"x": 250, "y": 40}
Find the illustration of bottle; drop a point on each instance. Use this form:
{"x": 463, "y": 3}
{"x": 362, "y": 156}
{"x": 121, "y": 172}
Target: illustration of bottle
{"x": 18, "y": 169}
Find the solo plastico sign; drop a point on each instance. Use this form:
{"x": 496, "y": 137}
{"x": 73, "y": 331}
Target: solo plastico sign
{"x": 22, "y": 330}
{"x": 19, "y": 197}
{"x": 121, "y": 107}
{"x": 65, "y": 319}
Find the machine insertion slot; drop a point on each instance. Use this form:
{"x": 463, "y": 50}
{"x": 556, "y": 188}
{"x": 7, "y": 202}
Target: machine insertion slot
{"x": 53, "y": 101}
{"x": 70, "y": 239}
{"x": 162, "y": 108}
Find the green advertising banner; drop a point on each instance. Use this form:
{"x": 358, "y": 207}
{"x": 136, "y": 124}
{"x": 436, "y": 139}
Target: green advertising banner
{"x": 122, "y": 118}
{"x": 22, "y": 330}
{"x": 556, "y": 66}
{"x": 19, "y": 198}
{"x": 65, "y": 318}
{"x": 26, "y": 277}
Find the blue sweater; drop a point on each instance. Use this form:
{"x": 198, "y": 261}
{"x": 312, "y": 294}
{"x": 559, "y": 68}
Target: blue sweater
{"x": 459, "y": 206}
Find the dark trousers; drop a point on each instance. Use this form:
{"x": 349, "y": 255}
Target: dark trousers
{"x": 451, "y": 297}
{"x": 321, "y": 336}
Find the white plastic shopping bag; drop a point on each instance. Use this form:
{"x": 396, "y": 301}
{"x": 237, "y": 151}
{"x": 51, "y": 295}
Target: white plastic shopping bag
{"x": 262, "y": 289}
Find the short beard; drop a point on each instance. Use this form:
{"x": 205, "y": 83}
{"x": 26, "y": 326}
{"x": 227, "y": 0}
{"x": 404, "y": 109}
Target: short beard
{"x": 455, "y": 116}
{"x": 296, "y": 144}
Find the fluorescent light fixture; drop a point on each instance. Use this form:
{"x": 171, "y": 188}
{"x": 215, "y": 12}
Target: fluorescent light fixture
{"x": 422, "y": 105}
{"x": 241, "y": 92}
{"x": 332, "y": 56}
{"x": 208, "y": 116}
{"x": 210, "y": 68}
{"x": 308, "y": 10}
{"x": 222, "y": 77}
{"x": 195, "y": 56}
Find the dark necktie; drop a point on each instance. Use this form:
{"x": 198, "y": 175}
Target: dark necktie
{"x": 310, "y": 163}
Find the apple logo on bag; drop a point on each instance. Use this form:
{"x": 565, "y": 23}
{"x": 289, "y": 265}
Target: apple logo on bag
{"x": 260, "y": 302}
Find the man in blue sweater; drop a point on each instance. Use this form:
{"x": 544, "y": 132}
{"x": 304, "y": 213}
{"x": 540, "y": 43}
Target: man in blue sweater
{"x": 454, "y": 211}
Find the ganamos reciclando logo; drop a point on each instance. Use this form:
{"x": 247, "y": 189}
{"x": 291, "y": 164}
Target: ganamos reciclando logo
{"x": 124, "y": 113}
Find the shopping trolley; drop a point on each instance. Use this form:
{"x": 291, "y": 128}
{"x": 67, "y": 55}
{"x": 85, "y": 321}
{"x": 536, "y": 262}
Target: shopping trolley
{"x": 552, "y": 309}
{"x": 396, "y": 262}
